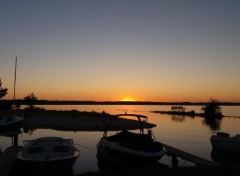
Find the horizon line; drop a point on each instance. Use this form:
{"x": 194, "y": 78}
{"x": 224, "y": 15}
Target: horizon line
{"x": 119, "y": 102}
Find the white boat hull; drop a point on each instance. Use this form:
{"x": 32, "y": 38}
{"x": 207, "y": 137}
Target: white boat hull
{"x": 49, "y": 153}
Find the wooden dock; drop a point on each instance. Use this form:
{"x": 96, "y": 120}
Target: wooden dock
{"x": 174, "y": 153}
{"x": 7, "y": 160}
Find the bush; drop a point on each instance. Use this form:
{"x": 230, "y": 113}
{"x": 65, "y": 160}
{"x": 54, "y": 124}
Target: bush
{"x": 212, "y": 109}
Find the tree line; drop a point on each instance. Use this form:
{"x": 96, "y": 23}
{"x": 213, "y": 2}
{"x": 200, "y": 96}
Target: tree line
{"x": 211, "y": 109}
{"x": 30, "y": 100}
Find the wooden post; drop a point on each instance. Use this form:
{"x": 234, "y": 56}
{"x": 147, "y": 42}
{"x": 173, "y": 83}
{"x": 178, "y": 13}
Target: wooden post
{"x": 14, "y": 90}
{"x": 174, "y": 161}
{"x": 15, "y": 138}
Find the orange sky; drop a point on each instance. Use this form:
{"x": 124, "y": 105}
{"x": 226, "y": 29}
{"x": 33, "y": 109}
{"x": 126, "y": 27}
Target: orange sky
{"x": 101, "y": 51}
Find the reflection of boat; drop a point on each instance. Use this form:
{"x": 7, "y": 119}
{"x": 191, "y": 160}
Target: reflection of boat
{"x": 12, "y": 134}
{"x": 109, "y": 162}
{"x": 223, "y": 141}
{"x": 48, "y": 152}
{"x": 113, "y": 163}
{"x": 10, "y": 122}
{"x": 225, "y": 157}
{"x": 128, "y": 148}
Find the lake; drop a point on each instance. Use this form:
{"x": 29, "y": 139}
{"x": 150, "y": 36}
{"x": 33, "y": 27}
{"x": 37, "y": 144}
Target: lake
{"x": 186, "y": 133}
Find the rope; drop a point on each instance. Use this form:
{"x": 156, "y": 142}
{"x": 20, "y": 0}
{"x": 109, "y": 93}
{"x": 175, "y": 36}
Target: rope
{"x": 89, "y": 148}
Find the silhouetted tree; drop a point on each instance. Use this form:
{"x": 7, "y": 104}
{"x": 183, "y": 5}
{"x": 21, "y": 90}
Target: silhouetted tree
{"x": 212, "y": 109}
{"x": 30, "y": 100}
{"x": 3, "y": 91}
{"x": 17, "y": 105}
{"x": 178, "y": 108}
{"x": 5, "y": 105}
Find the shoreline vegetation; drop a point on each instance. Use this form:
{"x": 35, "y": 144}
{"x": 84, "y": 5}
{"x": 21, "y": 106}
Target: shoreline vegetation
{"x": 72, "y": 120}
{"x": 181, "y": 113}
{"x": 187, "y": 113}
{"x": 211, "y": 110}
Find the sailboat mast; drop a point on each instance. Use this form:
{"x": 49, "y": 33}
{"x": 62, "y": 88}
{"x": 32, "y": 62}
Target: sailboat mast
{"x": 15, "y": 77}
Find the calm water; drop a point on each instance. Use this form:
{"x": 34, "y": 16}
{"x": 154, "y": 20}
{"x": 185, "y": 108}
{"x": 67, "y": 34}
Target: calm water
{"x": 186, "y": 133}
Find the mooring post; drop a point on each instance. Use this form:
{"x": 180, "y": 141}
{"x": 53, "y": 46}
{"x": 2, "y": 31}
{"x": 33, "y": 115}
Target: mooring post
{"x": 15, "y": 138}
{"x": 174, "y": 161}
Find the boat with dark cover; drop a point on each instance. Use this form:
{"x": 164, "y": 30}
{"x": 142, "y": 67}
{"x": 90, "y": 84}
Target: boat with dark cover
{"x": 223, "y": 141}
{"x": 130, "y": 148}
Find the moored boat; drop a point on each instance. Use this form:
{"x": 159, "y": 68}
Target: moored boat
{"x": 223, "y": 141}
{"x": 10, "y": 122}
{"x": 53, "y": 153}
{"x": 130, "y": 148}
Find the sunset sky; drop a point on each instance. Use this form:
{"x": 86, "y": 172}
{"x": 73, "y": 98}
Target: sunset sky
{"x": 110, "y": 50}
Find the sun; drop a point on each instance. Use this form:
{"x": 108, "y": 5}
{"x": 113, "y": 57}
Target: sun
{"x": 127, "y": 99}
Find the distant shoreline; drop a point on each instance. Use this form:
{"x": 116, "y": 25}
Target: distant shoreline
{"x": 63, "y": 102}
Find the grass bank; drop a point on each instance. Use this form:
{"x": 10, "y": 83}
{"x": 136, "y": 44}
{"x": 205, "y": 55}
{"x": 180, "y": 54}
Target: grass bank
{"x": 72, "y": 120}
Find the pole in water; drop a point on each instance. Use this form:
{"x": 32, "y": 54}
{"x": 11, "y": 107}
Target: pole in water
{"x": 15, "y": 77}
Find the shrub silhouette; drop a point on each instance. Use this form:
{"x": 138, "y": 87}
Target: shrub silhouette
{"x": 212, "y": 109}
{"x": 3, "y": 91}
{"x": 30, "y": 100}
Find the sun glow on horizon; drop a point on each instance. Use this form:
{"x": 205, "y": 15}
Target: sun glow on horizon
{"x": 127, "y": 99}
